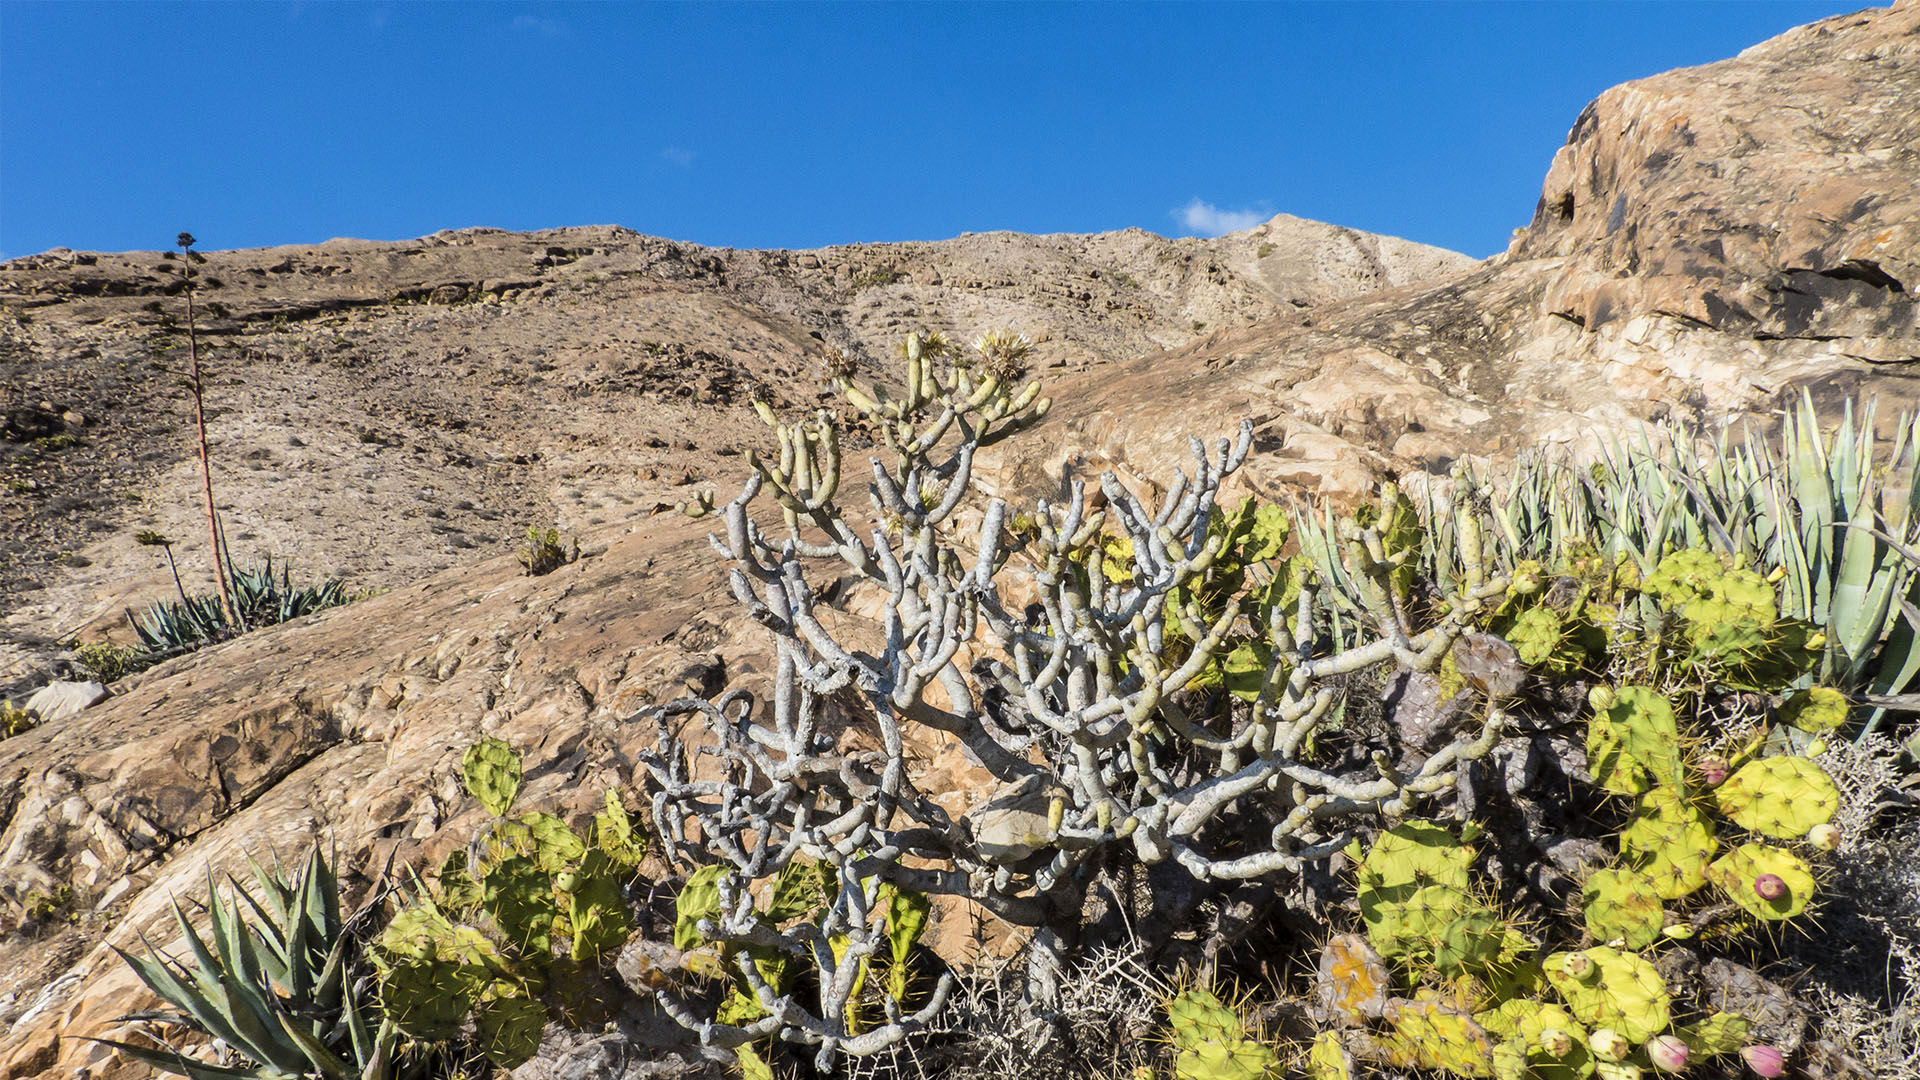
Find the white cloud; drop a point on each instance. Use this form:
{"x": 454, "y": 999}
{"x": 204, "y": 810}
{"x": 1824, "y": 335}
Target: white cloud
{"x": 536, "y": 25}
{"x": 1204, "y": 217}
{"x": 678, "y": 156}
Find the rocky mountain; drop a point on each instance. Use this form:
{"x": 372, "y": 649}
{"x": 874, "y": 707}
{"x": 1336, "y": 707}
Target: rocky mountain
{"x": 1709, "y": 243}
{"x": 383, "y": 411}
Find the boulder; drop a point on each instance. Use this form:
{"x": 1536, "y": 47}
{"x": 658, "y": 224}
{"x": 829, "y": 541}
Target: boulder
{"x": 59, "y": 700}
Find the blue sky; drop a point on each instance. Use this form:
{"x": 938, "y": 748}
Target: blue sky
{"x": 804, "y": 124}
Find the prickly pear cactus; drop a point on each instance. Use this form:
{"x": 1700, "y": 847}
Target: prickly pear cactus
{"x": 508, "y": 923}
{"x": 1781, "y": 797}
{"x": 1814, "y": 710}
{"x": 1623, "y": 906}
{"x": 1434, "y": 1035}
{"x": 492, "y": 773}
{"x": 1633, "y": 743}
{"x": 1552, "y": 1043}
{"x": 1329, "y": 1059}
{"x": 1670, "y": 842}
{"x": 1605, "y": 987}
{"x": 1766, "y": 882}
{"x": 1211, "y": 1041}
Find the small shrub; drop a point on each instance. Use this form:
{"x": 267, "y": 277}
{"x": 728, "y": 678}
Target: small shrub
{"x": 1263, "y": 251}
{"x": 13, "y": 720}
{"x": 545, "y": 551}
{"x": 879, "y": 276}
{"x": 55, "y": 443}
{"x": 111, "y": 662}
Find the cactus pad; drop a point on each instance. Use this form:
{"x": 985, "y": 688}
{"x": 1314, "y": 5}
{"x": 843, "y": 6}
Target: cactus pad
{"x": 1428, "y": 1034}
{"x": 1411, "y": 928}
{"x": 1212, "y": 1041}
{"x": 1621, "y": 991}
{"x": 1737, "y": 873}
{"x": 1415, "y": 854}
{"x": 1554, "y": 1043}
{"x": 1471, "y": 941}
{"x": 1354, "y": 982}
{"x": 432, "y": 972}
{"x": 1820, "y": 708}
{"x": 492, "y": 773}
{"x": 1536, "y": 635}
{"x": 1670, "y": 842}
{"x": 1328, "y": 1058}
{"x": 519, "y": 896}
{"x": 1196, "y": 1016}
{"x": 1781, "y": 797}
{"x": 1623, "y": 905}
{"x": 1721, "y": 1033}
{"x": 1633, "y": 743}
{"x": 508, "y": 1023}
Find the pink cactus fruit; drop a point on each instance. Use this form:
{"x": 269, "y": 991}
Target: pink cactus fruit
{"x": 1770, "y": 886}
{"x": 1714, "y": 770}
{"x": 1764, "y": 1060}
{"x": 1668, "y": 1053}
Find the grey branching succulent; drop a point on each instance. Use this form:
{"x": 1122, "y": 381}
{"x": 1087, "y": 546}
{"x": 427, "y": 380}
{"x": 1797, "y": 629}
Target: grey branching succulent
{"x": 1055, "y": 648}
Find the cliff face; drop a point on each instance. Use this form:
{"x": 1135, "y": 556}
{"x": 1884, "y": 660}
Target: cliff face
{"x": 1708, "y": 243}
{"x": 1770, "y": 197}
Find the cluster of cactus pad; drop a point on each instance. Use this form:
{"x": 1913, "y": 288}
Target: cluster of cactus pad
{"x": 1443, "y": 980}
{"x": 1716, "y": 839}
{"x": 501, "y": 936}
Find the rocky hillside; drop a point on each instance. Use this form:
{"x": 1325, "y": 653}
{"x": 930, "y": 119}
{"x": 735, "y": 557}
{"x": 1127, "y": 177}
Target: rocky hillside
{"x": 1709, "y": 242}
{"x": 384, "y": 411}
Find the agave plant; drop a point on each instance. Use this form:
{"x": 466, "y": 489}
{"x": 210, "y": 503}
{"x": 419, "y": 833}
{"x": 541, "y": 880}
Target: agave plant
{"x": 1833, "y": 515}
{"x": 260, "y": 598}
{"x": 275, "y": 984}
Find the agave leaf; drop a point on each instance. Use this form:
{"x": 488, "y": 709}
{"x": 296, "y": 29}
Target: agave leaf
{"x": 324, "y": 1060}
{"x": 161, "y": 978}
{"x": 194, "y": 1068}
{"x": 1857, "y": 615}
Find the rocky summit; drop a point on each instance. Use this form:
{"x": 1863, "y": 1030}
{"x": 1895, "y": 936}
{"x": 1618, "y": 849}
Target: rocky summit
{"x": 1709, "y": 245}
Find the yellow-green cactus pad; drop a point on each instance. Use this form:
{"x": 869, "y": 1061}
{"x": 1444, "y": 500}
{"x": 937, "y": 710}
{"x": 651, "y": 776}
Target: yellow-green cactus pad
{"x": 1535, "y": 635}
{"x": 1554, "y": 1043}
{"x": 1196, "y": 1016}
{"x": 1411, "y": 927}
{"x": 1622, "y": 991}
{"x": 1669, "y": 841}
{"x": 1684, "y": 575}
{"x": 508, "y": 1024}
{"x": 491, "y": 771}
{"x": 1820, "y": 708}
{"x": 1242, "y": 1059}
{"x": 1471, "y": 941}
{"x": 1633, "y": 743}
{"x": 1721, "y": 1033}
{"x": 1415, "y": 855}
{"x": 1781, "y": 797}
{"x": 1623, "y": 906}
{"x": 1765, "y": 881}
{"x": 1328, "y": 1058}
{"x": 1434, "y": 1036}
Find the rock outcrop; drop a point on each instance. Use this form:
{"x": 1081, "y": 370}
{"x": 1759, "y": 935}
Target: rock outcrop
{"x": 1710, "y": 242}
